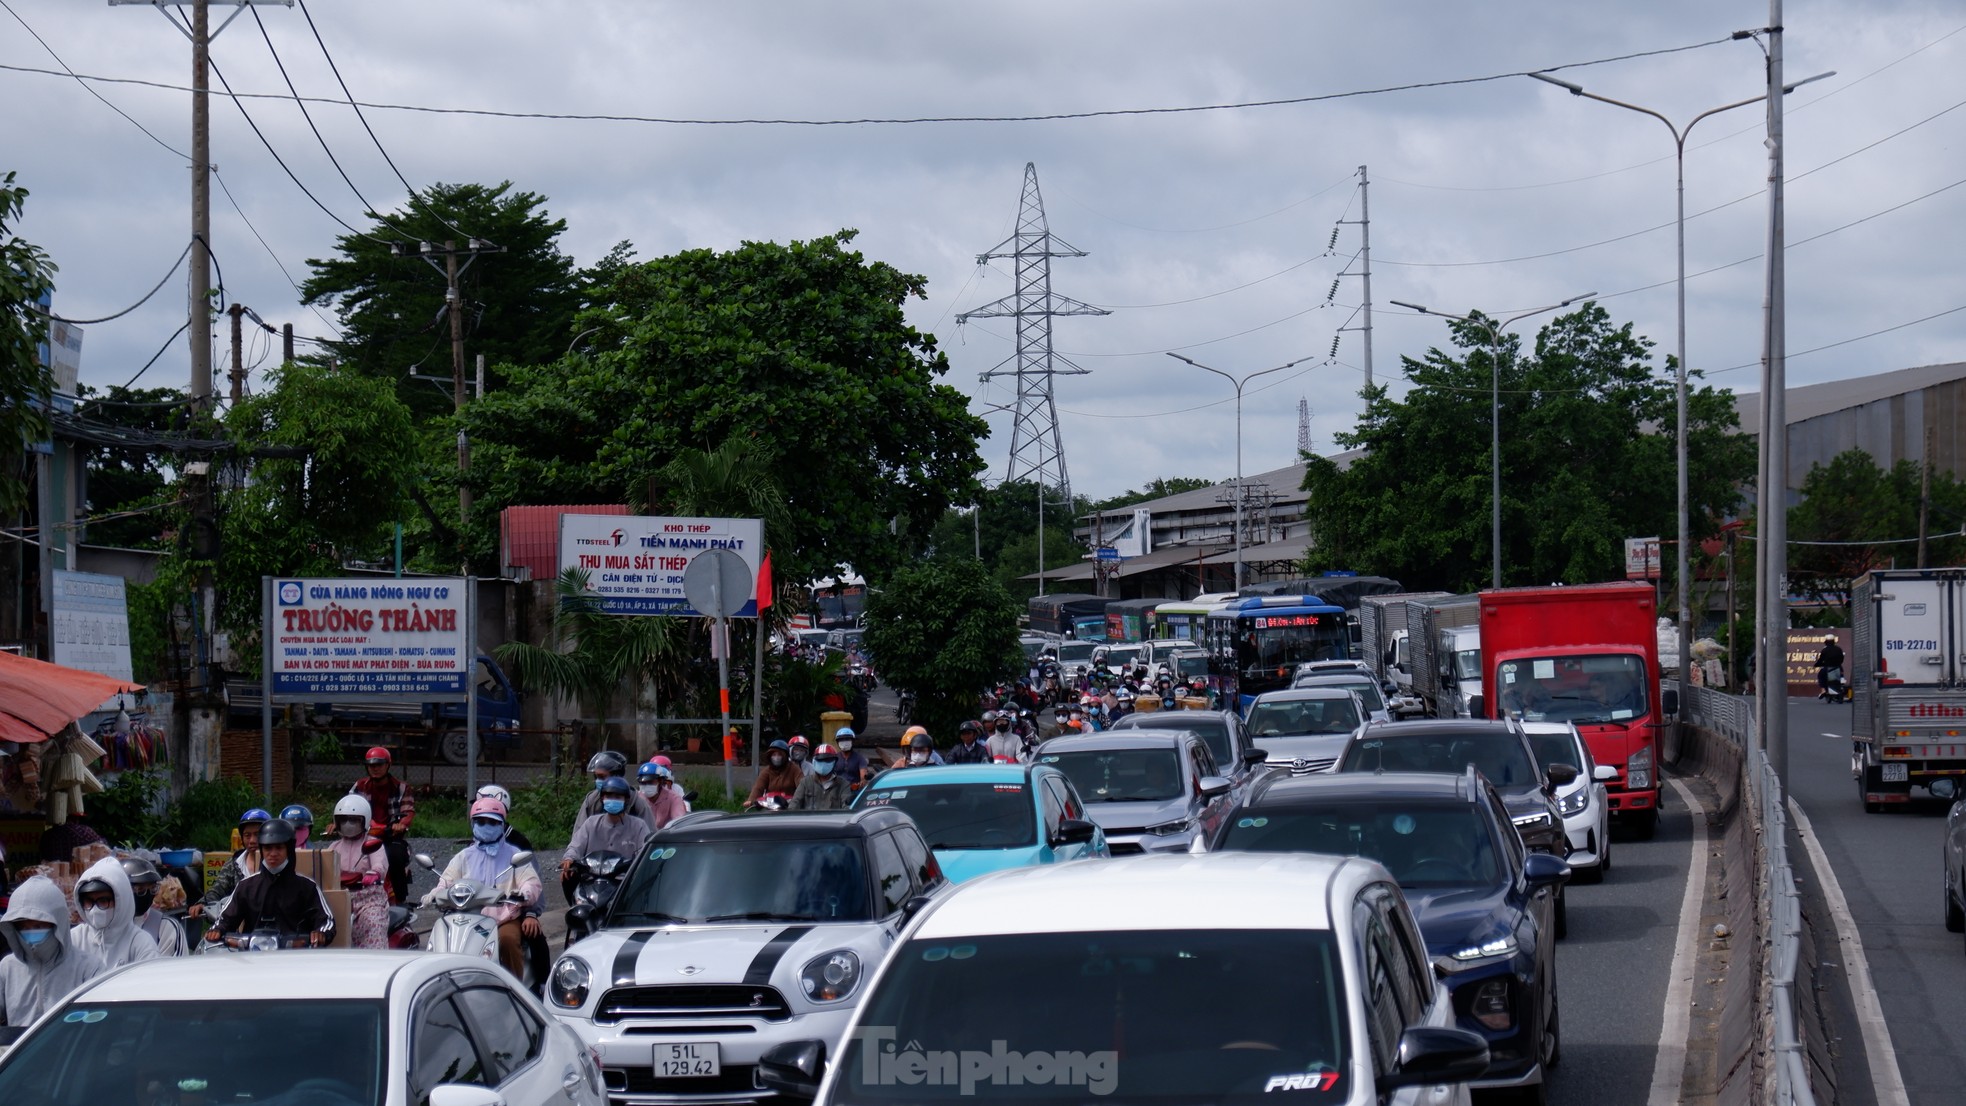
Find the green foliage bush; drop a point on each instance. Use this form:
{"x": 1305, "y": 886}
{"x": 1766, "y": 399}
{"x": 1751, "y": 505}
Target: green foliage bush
{"x": 125, "y": 812}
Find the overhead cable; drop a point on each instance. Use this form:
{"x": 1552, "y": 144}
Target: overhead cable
{"x": 132, "y": 307}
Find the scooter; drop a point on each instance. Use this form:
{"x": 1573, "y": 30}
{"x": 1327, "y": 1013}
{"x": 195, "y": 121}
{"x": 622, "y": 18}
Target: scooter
{"x": 264, "y": 939}
{"x": 464, "y": 928}
{"x": 1835, "y": 689}
{"x": 600, "y": 876}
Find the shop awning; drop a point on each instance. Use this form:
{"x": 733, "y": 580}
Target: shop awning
{"x": 37, "y": 699}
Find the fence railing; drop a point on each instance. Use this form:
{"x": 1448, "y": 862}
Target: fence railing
{"x": 1732, "y": 718}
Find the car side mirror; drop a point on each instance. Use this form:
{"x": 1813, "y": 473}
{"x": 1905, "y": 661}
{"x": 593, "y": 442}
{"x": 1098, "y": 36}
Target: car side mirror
{"x": 1604, "y": 773}
{"x": 464, "y": 1094}
{"x": 793, "y": 1069}
{"x": 1477, "y": 706}
{"x": 1431, "y": 1054}
{"x": 1255, "y": 756}
{"x": 1670, "y": 700}
{"x": 1544, "y": 870}
{"x": 1559, "y": 775}
{"x": 915, "y": 905}
{"x": 1199, "y": 845}
{"x": 1073, "y": 831}
{"x": 1212, "y": 786}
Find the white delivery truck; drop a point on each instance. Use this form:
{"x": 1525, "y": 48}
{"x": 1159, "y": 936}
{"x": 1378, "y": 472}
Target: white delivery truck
{"x": 1907, "y": 668}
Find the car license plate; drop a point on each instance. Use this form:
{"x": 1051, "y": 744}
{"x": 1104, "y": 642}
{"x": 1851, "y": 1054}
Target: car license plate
{"x": 699, "y": 1059}
{"x": 1895, "y": 773}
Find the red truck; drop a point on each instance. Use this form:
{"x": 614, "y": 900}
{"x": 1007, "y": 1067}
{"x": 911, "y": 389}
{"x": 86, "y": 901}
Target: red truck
{"x": 1587, "y": 654}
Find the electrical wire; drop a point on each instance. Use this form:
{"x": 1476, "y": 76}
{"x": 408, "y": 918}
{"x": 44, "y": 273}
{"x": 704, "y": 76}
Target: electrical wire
{"x": 1847, "y": 341}
{"x": 269, "y": 250}
{"x": 79, "y": 79}
{"x": 132, "y": 307}
{"x": 1203, "y": 230}
{"x": 322, "y": 43}
{"x": 1212, "y": 295}
{"x": 182, "y": 327}
{"x": 914, "y": 120}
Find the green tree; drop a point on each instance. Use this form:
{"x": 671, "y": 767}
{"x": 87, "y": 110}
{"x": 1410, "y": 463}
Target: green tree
{"x": 1158, "y": 488}
{"x": 124, "y": 481}
{"x": 1854, "y": 516}
{"x": 945, "y": 630}
{"x": 1587, "y": 460}
{"x": 801, "y": 346}
{"x": 26, "y": 275}
{"x": 594, "y": 655}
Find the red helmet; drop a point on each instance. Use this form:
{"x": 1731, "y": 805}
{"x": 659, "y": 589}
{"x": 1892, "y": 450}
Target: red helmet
{"x": 798, "y": 740}
{"x": 377, "y": 753}
{"x": 825, "y": 751}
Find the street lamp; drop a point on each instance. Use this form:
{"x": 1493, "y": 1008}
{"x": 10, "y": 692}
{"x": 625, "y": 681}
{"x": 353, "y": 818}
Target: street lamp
{"x": 1681, "y": 556}
{"x": 1495, "y": 404}
{"x": 1238, "y": 386}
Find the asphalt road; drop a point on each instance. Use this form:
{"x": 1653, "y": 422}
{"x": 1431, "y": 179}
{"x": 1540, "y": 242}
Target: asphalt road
{"x": 1889, "y": 867}
{"x": 1612, "y": 968}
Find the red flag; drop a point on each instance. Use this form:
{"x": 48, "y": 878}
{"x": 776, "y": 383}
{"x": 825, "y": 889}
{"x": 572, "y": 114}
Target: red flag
{"x": 764, "y": 583}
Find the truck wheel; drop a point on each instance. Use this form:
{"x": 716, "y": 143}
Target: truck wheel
{"x": 1867, "y": 784}
{"x": 454, "y": 746}
{"x": 1647, "y": 824}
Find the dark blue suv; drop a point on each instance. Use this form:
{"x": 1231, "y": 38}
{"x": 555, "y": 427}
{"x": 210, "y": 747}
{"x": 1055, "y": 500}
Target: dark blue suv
{"x": 1483, "y": 902}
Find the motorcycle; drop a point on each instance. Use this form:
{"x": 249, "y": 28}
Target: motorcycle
{"x": 264, "y": 939}
{"x": 600, "y": 876}
{"x": 861, "y": 676}
{"x": 1835, "y": 688}
{"x": 904, "y": 708}
{"x": 774, "y": 801}
{"x": 464, "y": 928}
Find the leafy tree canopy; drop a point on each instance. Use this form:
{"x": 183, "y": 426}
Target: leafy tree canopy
{"x": 802, "y": 347}
{"x": 1587, "y": 460}
{"x": 25, "y": 275}
{"x": 124, "y": 480}
{"x": 1158, "y": 488}
{"x": 945, "y": 630}
{"x": 1854, "y": 500}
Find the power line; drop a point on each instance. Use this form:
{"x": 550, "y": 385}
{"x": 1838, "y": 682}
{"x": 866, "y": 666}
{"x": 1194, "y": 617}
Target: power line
{"x": 79, "y": 79}
{"x": 182, "y": 327}
{"x": 269, "y": 251}
{"x": 1292, "y": 206}
{"x": 915, "y": 120}
{"x": 305, "y": 114}
{"x": 132, "y": 307}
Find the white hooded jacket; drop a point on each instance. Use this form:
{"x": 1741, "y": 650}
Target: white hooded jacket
{"x": 34, "y": 979}
{"x": 122, "y": 941}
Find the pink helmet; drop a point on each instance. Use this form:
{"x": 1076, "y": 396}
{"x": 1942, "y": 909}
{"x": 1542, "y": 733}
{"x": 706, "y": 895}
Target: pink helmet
{"x": 488, "y": 808}
{"x": 662, "y": 760}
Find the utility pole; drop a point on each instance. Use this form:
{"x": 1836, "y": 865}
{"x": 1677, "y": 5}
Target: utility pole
{"x": 1925, "y": 499}
{"x": 237, "y": 376}
{"x": 1771, "y": 500}
{"x": 286, "y": 343}
{"x": 453, "y": 270}
{"x": 1364, "y": 224}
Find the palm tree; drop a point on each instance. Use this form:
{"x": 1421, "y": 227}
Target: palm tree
{"x": 734, "y": 480}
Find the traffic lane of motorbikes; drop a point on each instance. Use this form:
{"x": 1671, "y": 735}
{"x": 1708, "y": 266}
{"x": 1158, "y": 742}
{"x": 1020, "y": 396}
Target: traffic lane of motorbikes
{"x": 440, "y": 850}
{"x": 1890, "y": 869}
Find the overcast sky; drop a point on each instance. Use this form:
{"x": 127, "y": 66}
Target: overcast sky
{"x": 1207, "y": 232}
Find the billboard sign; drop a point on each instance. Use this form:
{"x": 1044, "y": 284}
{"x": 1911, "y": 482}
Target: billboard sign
{"x": 1641, "y": 558}
{"x": 635, "y": 563}
{"x": 92, "y": 623}
{"x": 370, "y": 637}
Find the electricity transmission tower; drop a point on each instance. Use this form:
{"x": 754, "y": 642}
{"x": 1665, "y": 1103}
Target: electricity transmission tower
{"x": 1303, "y": 425}
{"x": 1037, "y": 453}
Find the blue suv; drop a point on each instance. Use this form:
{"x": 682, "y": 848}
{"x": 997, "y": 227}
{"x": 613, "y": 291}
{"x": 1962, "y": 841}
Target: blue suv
{"x": 1484, "y": 903}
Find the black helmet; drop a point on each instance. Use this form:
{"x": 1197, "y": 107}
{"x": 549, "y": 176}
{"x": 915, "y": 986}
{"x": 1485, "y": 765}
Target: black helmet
{"x": 92, "y": 887}
{"x": 140, "y": 871}
{"x": 279, "y": 831}
{"x": 921, "y": 741}
{"x": 609, "y": 761}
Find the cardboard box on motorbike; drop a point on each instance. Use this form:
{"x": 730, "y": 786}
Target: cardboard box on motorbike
{"x": 319, "y": 865}
{"x": 338, "y": 906}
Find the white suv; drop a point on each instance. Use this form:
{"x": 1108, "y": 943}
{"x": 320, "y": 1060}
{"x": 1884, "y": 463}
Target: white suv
{"x": 1238, "y": 979}
{"x": 731, "y": 934}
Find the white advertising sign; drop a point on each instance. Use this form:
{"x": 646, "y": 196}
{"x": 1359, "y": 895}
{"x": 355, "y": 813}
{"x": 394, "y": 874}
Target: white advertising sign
{"x": 92, "y": 623}
{"x": 635, "y": 563}
{"x": 1641, "y": 558}
{"x": 370, "y": 637}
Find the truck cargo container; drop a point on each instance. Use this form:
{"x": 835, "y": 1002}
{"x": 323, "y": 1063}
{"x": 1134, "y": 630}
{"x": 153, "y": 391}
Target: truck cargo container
{"x": 1908, "y": 682}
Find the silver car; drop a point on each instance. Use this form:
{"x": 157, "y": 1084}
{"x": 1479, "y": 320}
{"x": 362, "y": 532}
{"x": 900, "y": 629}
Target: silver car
{"x": 1149, "y": 790}
{"x": 1364, "y": 685}
{"x": 1582, "y": 802}
{"x": 1304, "y": 729}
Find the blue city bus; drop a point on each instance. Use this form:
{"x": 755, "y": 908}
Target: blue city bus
{"x": 1255, "y": 644}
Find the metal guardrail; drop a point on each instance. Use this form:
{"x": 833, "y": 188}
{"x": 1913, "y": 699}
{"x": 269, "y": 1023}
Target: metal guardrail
{"x": 1732, "y": 717}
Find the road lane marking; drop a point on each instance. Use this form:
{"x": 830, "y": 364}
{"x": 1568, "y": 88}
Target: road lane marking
{"x": 1883, "y": 1059}
{"x": 1676, "y": 1023}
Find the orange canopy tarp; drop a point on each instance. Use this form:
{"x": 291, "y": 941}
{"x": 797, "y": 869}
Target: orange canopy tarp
{"x": 37, "y": 698}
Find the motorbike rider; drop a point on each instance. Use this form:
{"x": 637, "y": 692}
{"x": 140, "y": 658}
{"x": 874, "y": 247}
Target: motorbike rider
{"x": 921, "y": 748}
{"x": 800, "y": 750}
{"x": 664, "y": 762}
{"x": 613, "y": 830}
{"x": 44, "y": 966}
{"x": 1122, "y": 703}
{"x": 609, "y": 765}
{"x": 488, "y": 861}
{"x": 853, "y": 768}
{"x": 393, "y": 808}
{"x": 364, "y": 873}
{"x": 778, "y": 775}
{"x": 513, "y": 833}
{"x": 660, "y": 789}
{"x": 1830, "y": 657}
{"x": 968, "y": 749}
{"x": 277, "y": 896}
{"x": 245, "y": 862}
{"x": 163, "y": 929}
{"x": 825, "y": 789}
{"x": 1004, "y": 744}
{"x": 108, "y": 927}
{"x": 303, "y": 820}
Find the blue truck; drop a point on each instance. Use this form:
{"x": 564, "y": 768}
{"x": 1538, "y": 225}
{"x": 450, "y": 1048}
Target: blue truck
{"x": 434, "y": 729}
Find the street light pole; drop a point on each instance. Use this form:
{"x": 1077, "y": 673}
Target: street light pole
{"x": 1682, "y": 557}
{"x": 1494, "y": 409}
{"x": 1238, "y": 385}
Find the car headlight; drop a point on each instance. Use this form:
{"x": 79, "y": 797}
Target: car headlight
{"x": 1502, "y": 945}
{"x": 1574, "y": 803}
{"x": 1169, "y": 829}
{"x": 831, "y": 977}
{"x": 1638, "y": 770}
{"x": 568, "y": 985}
{"x": 1531, "y": 821}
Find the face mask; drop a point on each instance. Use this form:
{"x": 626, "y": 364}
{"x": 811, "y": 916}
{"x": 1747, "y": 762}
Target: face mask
{"x": 598, "y": 781}
{"x": 823, "y": 767}
{"x": 614, "y": 806}
{"x": 98, "y": 917}
{"x": 846, "y": 744}
{"x": 1003, "y": 727}
{"x": 917, "y": 758}
{"x": 487, "y": 835}
{"x": 777, "y": 759}
{"x": 33, "y": 937}
{"x": 798, "y": 753}
{"x": 143, "y": 901}
{"x": 275, "y": 869}
{"x": 651, "y": 790}
{"x": 300, "y": 837}
{"x": 351, "y": 829}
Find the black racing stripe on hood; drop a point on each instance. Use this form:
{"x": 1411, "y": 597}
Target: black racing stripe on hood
{"x": 625, "y": 957}
{"x": 763, "y": 964}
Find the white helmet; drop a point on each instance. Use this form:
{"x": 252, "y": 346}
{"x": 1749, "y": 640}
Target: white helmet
{"x": 493, "y": 791}
{"x": 353, "y": 806}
